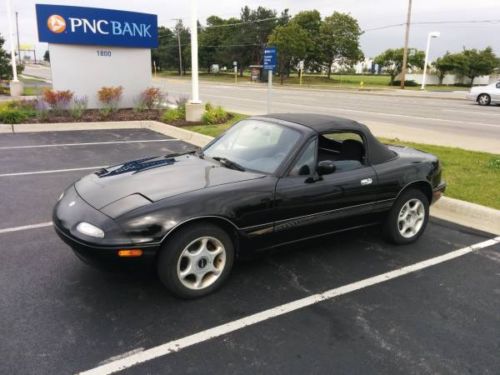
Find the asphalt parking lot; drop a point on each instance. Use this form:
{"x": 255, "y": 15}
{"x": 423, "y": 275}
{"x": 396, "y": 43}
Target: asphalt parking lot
{"x": 59, "y": 316}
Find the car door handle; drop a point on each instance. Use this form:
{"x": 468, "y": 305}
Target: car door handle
{"x": 366, "y": 181}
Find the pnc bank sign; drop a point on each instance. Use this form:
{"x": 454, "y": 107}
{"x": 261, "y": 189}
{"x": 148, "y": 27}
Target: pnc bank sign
{"x": 91, "y": 26}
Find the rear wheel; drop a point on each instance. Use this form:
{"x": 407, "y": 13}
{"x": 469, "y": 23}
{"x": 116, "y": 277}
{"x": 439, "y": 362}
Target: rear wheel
{"x": 196, "y": 260}
{"x": 484, "y": 99}
{"x": 408, "y": 217}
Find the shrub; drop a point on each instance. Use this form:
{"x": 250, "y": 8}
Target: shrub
{"x": 215, "y": 116}
{"x": 110, "y": 97}
{"x": 150, "y": 98}
{"x": 26, "y": 106}
{"x": 407, "y": 83}
{"x": 12, "y": 116}
{"x": 57, "y": 100}
{"x": 174, "y": 114}
{"x": 79, "y": 107}
{"x": 42, "y": 112}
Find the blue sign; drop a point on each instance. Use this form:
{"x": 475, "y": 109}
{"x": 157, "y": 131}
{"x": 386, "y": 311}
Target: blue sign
{"x": 269, "y": 58}
{"x": 92, "y": 26}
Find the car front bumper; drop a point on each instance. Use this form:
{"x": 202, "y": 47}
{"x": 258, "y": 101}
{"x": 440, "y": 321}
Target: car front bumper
{"x": 472, "y": 97}
{"x": 103, "y": 253}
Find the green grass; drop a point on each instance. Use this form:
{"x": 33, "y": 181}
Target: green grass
{"x": 215, "y": 130}
{"x": 471, "y": 176}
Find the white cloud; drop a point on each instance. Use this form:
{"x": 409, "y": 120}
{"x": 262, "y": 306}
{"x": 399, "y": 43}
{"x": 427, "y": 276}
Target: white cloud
{"x": 369, "y": 13}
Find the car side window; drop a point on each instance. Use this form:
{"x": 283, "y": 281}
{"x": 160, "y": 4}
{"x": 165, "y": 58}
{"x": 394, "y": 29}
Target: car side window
{"x": 307, "y": 161}
{"x": 346, "y": 149}
{"x": 498, "y": 85}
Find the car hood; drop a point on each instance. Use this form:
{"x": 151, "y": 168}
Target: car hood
{"x": 151, "y": 179}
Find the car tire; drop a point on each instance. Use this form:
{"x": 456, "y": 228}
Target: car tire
{"x": 407, "y": 218}
{"x": 196, "y": 260}
{"x": 484, "y": 99}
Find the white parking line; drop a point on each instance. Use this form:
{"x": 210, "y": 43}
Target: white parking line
{"x": 185, "y": 342}
{"x": 52, "y": 171}
{"x": 87, "y": 144}
{"x": 26, "y": 227}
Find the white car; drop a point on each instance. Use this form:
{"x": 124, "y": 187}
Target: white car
{"x": 485, "y": 95}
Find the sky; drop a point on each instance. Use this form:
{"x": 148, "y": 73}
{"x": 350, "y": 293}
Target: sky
{"x": 370, "y": 14}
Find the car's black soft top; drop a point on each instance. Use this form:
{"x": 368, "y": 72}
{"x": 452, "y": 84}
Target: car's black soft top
{"x": 377, "y": 152}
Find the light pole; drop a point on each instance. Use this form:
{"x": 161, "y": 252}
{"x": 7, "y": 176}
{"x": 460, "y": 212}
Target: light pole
{"x": 16, "y": 87}
{"x": 194, "y": 109}
{"x": 433, "y": 34}
{"x": 405, "y": 49}
{"x": 178, "y": 28}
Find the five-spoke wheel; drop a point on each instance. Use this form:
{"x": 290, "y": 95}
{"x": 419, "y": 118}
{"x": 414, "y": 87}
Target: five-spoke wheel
{"x": 408, "y": 217}
{"x": 201, "y": 263}
{"x": 196, "y": 260}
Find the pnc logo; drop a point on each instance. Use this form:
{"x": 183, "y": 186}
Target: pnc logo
{"x": 56, "y": 24}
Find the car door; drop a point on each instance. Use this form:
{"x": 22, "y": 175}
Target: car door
{"x": 308, "y": 205}
{"x": 495, "y": 93}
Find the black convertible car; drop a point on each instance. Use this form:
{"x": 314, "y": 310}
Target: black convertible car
{"x": 266, "y": 182}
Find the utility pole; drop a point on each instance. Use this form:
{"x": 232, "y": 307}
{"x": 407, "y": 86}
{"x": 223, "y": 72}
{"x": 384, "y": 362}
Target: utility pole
{"x": 178, "y": 28}
{"x": 18, "y": 44}
{"x": 405, "y": 51}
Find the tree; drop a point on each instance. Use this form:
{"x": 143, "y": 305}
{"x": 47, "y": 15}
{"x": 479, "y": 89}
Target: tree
{"x": 166, "y": 55}
{"x": 310, "y": 21}
{"x": 444, "y": 65}
{"x": 46, "y": 56}
{"x": 5, "y": 66}
{"x": 473, "y": 63}
{"x": 392, "y": 60}
{"x": 291, "y": 41}
{"x": 339, "y": 35}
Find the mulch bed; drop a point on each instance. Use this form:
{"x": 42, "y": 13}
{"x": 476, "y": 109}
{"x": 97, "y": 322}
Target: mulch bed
{"x": 94, "y": 115}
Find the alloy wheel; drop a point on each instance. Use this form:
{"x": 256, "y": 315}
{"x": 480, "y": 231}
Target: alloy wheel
{"x": 411, "y": 218}
{"x": 201, "y": 263}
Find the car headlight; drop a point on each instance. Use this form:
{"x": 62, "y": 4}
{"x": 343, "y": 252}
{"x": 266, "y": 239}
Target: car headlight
{"x": 90, "y": 230}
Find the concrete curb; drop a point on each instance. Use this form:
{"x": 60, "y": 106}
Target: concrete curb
{"x": 464, "y": 213}
{"x": 467, "y": 214}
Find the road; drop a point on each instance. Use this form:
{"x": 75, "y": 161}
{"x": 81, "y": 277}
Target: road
{"x": 430, "y": 307}
{"x": 449, "y": 122}
{"x": 392, "y": 114}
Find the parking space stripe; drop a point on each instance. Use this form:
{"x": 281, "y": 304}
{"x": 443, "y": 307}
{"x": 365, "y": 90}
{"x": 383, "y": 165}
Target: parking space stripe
{"x": 52, "y": 171}
{"x": 136, "y": 358}
{"x": 26, "y": 227}
{"x": 86, "y": 144}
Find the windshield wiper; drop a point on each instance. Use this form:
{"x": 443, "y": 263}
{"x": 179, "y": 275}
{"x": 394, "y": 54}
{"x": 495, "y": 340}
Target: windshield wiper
{"x": 175, "y": 154}
{"x": 229, "y": 163}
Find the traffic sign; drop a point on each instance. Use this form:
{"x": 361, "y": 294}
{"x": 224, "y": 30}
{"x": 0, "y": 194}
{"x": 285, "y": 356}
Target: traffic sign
{"x": 270, "y": 58}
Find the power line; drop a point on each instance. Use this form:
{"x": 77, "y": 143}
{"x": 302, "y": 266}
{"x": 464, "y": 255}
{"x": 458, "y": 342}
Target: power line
{"x": 494, "y": 21}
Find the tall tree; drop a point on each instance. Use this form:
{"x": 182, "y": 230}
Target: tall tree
{"x": 391, "y": 61}
{"x": 339, "y": 35}
{"x": 5, "y": 65}
{"x": 166, "y": 55}
{"x": 445, "y": 65}
{"x": 310, "y": 21}
{"x": 473, "y": 63}
{"x": 291, "y": 40}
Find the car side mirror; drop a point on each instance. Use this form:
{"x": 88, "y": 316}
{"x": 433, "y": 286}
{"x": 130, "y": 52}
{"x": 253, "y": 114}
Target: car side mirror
{"x": 325, "y": 167}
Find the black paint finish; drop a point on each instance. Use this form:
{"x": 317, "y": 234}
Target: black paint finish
{"x": 140, "y": 203}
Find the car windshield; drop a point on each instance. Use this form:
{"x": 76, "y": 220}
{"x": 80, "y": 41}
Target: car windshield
{"x": 254, "y": 144}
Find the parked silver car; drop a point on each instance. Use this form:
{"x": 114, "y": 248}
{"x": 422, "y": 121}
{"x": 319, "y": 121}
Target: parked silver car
{"x": 485, "y": 95}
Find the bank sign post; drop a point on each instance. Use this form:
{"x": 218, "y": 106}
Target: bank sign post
{"x": 269, "y": 64}
{"x": 91, "y": 48}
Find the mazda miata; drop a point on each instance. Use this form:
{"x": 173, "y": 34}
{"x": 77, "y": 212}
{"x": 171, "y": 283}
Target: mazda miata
{"x": 266, "y": 182}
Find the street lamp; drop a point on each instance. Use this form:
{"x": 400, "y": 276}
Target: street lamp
{"x": 433, "y": 34}
{"x": 194, "y": 109}
{"x": 16, "y": 87}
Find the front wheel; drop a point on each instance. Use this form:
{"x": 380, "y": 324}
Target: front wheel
{"x": 408, "y": 217}
{"x": 196, "y": 260}
{"x": 484, "y": 99}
